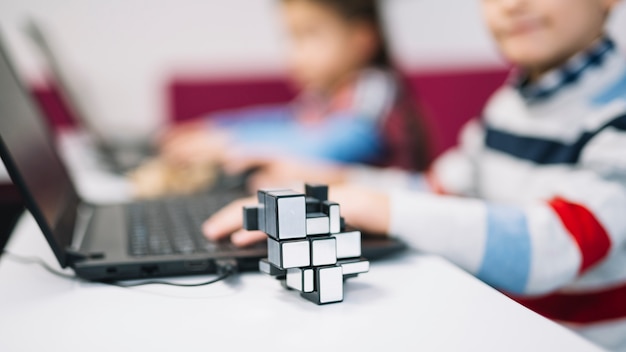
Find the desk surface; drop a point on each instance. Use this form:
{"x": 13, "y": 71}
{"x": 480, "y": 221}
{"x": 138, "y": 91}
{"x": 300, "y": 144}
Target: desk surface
{"x": 412, "y": 302}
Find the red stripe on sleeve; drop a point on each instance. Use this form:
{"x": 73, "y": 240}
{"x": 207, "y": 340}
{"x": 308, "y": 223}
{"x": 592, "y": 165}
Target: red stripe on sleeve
{"x": 580, "y": 308}
{"x": 590, "y": 236}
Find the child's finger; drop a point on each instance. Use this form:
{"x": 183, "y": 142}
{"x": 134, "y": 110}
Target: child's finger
{"x": 227, "y": 220}
{"x": 243, "y": 238}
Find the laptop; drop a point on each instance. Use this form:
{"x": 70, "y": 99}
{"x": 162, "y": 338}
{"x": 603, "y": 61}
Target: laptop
{"x": 156, "y": 238}
{"x": 120, "y": 157}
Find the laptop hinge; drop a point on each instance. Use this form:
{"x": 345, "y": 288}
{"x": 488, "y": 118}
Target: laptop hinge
{"x": 74, "y": 256}
{"x": 84, "y": 215}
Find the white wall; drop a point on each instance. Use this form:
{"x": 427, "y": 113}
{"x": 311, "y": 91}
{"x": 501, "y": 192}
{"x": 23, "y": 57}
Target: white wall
{"x": 120, "y": 52}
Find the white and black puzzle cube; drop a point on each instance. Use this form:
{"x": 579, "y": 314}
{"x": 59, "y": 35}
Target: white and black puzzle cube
{"x": 308, "y": 247}
{"x": 289, "y": 254}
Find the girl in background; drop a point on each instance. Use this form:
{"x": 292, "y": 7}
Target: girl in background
{"x": 352, "y": 106}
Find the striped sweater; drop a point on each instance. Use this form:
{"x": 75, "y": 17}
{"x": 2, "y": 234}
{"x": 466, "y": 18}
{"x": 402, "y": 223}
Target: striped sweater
{"x": 533, "y": 200}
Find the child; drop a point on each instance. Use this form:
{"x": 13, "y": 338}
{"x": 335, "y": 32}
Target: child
{"x": 349, "y": 94}
{"x": 533, "y": 201}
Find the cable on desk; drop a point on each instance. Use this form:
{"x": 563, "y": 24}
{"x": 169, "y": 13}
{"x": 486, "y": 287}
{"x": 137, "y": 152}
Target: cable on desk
{"x": 159, "y": 282}
{"x": 226, "y": 268}
{"x": 34, "y": 260}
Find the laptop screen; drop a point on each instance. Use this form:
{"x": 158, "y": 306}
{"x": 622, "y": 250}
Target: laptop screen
{"x": 54, "y": 73}
{"x": 27, "y": 149}
{"x": 123, "y": 155}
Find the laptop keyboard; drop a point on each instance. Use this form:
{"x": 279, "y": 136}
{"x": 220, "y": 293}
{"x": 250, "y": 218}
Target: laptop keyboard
{"x": 174, "y": 226}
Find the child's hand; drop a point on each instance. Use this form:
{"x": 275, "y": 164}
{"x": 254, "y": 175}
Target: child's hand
{"x": 364, "y": 209}
{"x": 229, "y": 220}
{"x": 194, "y": 146}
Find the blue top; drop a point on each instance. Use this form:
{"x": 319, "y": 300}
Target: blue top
{"x": 348, "y": 134}
{"x": 275, "y": 131}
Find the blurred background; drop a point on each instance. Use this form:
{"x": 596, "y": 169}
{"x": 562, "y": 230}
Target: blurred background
{"x": 137, "y": 65}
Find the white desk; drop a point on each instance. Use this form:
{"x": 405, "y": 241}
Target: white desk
{"x": 409, "y": 303}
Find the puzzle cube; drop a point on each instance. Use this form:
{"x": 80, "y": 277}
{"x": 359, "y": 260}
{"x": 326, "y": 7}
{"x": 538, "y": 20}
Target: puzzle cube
{"x": 266, "y": 267}
{"x": 289, "y": 254}
{"x": 317, "y": 224}
{"x": 354, "y": 266}
{"x": 317, "y": 191}
{"x": 309, "y": 248}
{"x": 285, "y": 214}
{"x": 323, "y": 250}
{"x": 348, "y": 244}
{"x": 313, "y": 205}
{"x": 328, "y": 285}
{"x": 334, "y": 216}
{"x": 251, "y": 218}
{"x": 301, "y": 279}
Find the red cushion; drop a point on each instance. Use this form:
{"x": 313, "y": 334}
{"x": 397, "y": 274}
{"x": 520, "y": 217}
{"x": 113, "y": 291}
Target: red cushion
{"x": 190, "y": 98}
{"x": 450, "y": 99}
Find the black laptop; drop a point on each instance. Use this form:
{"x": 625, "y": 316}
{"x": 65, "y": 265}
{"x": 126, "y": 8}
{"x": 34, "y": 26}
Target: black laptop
{"x": 127, "y": 241}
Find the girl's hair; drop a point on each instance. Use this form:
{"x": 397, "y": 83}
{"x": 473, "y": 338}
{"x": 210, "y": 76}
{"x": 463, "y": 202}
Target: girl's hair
{"x": 416, "y": 142}
{"x": 361, "y": 11}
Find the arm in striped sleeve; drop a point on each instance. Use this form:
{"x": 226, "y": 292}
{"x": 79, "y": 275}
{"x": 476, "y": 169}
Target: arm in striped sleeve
{"x": 533, "y": 248}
